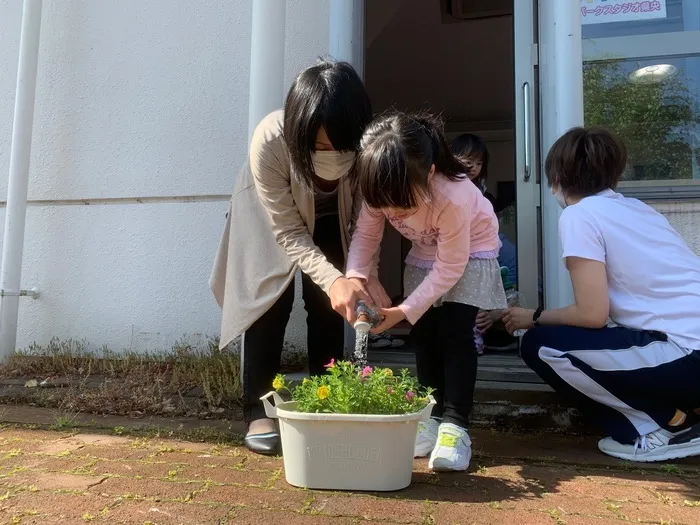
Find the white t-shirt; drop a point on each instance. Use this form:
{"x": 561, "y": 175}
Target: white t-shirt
{"x": 653, "y": 277}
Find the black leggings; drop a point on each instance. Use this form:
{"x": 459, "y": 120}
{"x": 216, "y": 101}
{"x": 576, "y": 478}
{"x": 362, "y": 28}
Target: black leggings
{"x": 446, "y": 359}
{"x": 263, "y": 341}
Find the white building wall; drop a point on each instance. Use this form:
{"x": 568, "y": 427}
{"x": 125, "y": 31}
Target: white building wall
{"x": 135, "y": 100}
{"x": 685, "y": 218}
{"x": 144, "y": 101}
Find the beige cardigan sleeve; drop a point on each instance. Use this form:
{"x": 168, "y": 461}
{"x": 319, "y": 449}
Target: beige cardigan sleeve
{"x": 271, "y": 173}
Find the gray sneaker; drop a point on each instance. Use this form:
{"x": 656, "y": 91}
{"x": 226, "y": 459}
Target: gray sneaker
{"x": 660, "y": 445}
{"x": 385, "y": 340}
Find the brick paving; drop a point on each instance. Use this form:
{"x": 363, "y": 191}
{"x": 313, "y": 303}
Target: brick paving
{"x": 68, "y": 478}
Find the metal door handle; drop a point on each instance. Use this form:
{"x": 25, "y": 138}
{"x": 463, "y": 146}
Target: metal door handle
{"x": 526, "y": 130}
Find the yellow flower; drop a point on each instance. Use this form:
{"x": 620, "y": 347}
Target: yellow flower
{"x": 278, "y": 383}
{"x": 323, "y": 392}
{"x": 388, "y": 372}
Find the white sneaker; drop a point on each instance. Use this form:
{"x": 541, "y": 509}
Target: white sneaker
{"x": 660, "y": 445}
{"x": 426, "y": 437}
{"x": 453, "y": 450}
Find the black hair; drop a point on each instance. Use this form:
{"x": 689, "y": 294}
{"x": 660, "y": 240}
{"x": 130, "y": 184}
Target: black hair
{"x": 586, "y": 161}
{"x": 396, "y": 155}
{"x": 468, "y": 146}
{"x": 330, "y": 95}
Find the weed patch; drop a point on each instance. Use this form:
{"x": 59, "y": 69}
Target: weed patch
{"x": 185, "y": 381}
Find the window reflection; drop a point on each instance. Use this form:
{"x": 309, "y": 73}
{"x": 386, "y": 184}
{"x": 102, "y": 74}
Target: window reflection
{"x": 653, "y": 106}
{"x": 681, "y": 15}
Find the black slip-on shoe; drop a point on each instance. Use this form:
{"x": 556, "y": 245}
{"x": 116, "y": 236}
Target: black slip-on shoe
{"x": 267, "y": 444}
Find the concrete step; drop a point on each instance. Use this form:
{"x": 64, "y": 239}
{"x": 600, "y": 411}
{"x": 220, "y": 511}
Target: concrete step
{"x": 498, "y": 367}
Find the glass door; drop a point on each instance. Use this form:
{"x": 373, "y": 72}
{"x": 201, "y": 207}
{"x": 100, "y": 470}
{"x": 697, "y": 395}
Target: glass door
{"x": 527, "y": 173}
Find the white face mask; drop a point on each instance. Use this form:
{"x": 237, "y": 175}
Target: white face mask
{"x": 332, "y": 165}
{"x": 561, "y": 199}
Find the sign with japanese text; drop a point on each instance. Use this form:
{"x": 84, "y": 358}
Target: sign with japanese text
{"x": 603, "y": 11}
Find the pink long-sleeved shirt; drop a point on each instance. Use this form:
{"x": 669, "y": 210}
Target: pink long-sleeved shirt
{"x": 457, "y": 223}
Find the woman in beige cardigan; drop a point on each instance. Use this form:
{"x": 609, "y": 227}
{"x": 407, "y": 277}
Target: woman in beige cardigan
{"x": 292, "y": 208}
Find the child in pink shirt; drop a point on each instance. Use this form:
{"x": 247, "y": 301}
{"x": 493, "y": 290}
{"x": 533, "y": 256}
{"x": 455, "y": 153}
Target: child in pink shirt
{"x": 409, "y": 176}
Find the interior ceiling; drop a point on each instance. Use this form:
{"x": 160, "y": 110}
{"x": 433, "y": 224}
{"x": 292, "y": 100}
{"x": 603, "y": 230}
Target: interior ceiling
{"x": 414, "y": 60}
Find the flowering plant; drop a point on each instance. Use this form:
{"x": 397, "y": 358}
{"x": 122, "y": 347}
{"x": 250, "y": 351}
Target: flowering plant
{"x": 348, "y": 389}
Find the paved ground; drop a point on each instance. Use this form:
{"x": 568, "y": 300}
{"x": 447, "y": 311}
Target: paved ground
{"x": 62, "y": 478}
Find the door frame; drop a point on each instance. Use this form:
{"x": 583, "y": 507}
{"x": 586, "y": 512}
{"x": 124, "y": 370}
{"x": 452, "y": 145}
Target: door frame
{"x": 526, "y": 126}
{"x": 527, "y": 159}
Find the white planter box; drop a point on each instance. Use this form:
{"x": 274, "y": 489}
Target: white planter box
{"x": 346, "y": 451}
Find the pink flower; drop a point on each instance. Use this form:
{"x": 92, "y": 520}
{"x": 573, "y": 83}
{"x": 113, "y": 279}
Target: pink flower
{"x": 366, "y": 371}
{"x": 390, "y": 390}
{"x": 330, "y": 365}
{"x": 409, "y": 396}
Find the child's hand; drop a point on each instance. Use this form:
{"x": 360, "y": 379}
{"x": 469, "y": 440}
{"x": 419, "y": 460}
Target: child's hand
{"x": 485, "y": 319}
{"x": 377, "y": 293}
{"x": 392, "y": 317}
{"x": 360, "y": 284}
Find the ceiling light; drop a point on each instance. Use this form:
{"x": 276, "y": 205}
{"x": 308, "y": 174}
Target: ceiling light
{"x": 653, "y": 74}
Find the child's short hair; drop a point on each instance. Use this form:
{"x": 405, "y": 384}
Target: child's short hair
{"x": 586, "y": 161}
{"x": 396, "y": 154}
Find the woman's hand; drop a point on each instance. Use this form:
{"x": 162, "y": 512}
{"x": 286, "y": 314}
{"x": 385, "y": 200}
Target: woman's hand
{"x": 376, "y": 291}
{"x": 485, "y": 319}
{"x": 518, "y": 319}
{"x": 344, "y": 294}
{"x": 391, "y": 317}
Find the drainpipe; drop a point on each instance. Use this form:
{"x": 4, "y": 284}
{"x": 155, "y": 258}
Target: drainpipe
{"x": 346, "y": 41}
{"x": 266, "y": 90}
{"x": 346, "y": 28}
{"x": 561, "y": 81}
{"x": 266, "y": 87}
{"x": 18, "y": 184}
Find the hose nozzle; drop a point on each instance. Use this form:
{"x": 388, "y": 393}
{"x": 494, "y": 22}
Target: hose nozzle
{"x": 367, "y": 317}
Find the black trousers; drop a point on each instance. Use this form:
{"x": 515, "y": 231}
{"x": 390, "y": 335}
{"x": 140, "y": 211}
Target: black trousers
{"x": 446, "y": 359}
{"x": 263, "y": 341}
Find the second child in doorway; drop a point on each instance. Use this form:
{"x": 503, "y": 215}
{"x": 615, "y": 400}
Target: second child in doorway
{"x": 409, "y": 176}
{"x": 472, "y": 151}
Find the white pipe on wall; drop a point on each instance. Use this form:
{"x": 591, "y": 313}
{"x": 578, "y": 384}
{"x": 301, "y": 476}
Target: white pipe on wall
{"x": 561, "y": 84}
{"x": 346, "y": 27}
{"x": 346, "y": 42}
{"x": 18, "y": 183}
{"x": 266, "y": 87}
{"x": 266, "y": 91}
